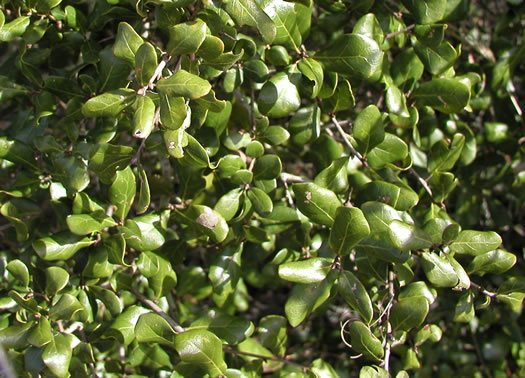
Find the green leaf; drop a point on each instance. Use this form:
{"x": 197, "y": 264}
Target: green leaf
{"x": 174, "y": 113}
{"x": 364, "y": 341}
{"x": 14, "y": 28}
{"x": 122, "y": 192}
{"x": 369, "y": 26}
{"x": 343, "y": 98}
{"x": 408, "y": 237}
{"x": 284, "y": 15}
{"x": 438, "y": 270}
{"x": 426, "y": 11}
{"x": 41, "y": 334}
{"x": 355, "y": 295}
{"x": 194, "y": 154}
{"x": 305, "y": 125}
{"x": 16, "y": 152}
{"x": 352, "y": 54}
{"x": 123, "y": 327}
{"x": 306, "y": 298}
{"x": 380, "y": 249}
{"x": 261, "y": 202}
{"x": 430, "y": 35}
{"x": 400, "y": 197}
{"x": 109, "y": 104}
{"x": 437, "y": 59}
{"x": 272, "y": 333}
{"x": 445, "y": 95}
{"x": 201, "y": 348}
{"x": 143, "y": 117}
{"x": 443, "y": 156}
{"x": 106, "y": 159}
{"x": 249, "y": 12}
{"x": 512, "y": 292}
{"x": 406, "y": 69}
{"x": 65, "y": 308}
{"x": 418, "y": 289}
{"x": 306, "y": 271}
{"x": 19, "y": 271}
{"x": 207, "y": 221}
{"x": 349, "y": 228}
{"x": 225, "y": 270}
{"x": 144, "y": 233}
{"x": 368, "y": 129}
{"x": 408, "y": 313}
{"x": 229, "y": 204}
{"x": 127, "y": 43}
{"x": 72, "y": 172}
{"x": 464, "y": 311}
{"x": 313, "y": 70}
{"x": 145, "y": 63}
{"x": 60, "y": 246}
{"x": 495, "y": 262}
{"x": 232, "y": 329}
{"x": 57, "y": 354}
{"x": 116, "y": 249}
{"x": 16, "y": 335}
{"x": 318, "y": 204}
{"x": 144, "y": 199}
{"x": 279, "y": 96}
{"x": 475, "y": 243}
{"x": 159, "y": 272}
{"x": 185, "y": 84}
{"x": 275, "y": 135}
{"x": 153, "y": 328}
{"x": 335, "y": 176}
{"x": 85, "y": 224}
{"x": 390, "y": 150}
{"x": 98, "y": 265}
{"x": 186, "y": 38}
{"x": 56, "y": 279}
{"x": 9, "y": 88}
{"x": 267, "y": 167}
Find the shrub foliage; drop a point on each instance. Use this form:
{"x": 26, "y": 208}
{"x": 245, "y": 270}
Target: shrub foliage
{"x": 247, "y": 187}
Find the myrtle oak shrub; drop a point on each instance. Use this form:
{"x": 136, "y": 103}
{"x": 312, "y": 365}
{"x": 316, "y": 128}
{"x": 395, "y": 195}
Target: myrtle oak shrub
{"x": 242, "y": 188}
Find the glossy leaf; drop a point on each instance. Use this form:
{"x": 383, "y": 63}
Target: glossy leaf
{"x": 123, "y": 327}
{"x": 364, "y": 341}
{"x": 355, "y": 294}
{"x": 57, "y": 354}
{"x": 106, "y": 159}
{"x": 201, "y": 348}
{"x": 408, "y": 237}
{"x": 426, "y": 11}
{"x": 85, "y": 224}
{"x": 145, "y": 63}
{"x": 352, "y": 54}
{"x": 279, "y": 96}
{"x": 368, "y": 129}
{"x": 185, "y": 84}
{"x": 143, "y": 117}
{"x": 127, "y": 43}
{"x": 495, "y": 262}
{"x": 445, "y": 95}
{"x": 475, "y": 242}
{"x": 350, "y": 227}
{"x": 246, "y": 12}
{"x": 306, "y": 271}
{"x": 122, "y": 192}
{"x": 306, "y": 298}
{"x": 60, "y": 246}
{"x": 230, "y": 328}
{"x": 153, "y": 328}
{"x": 438, "y": 270}
{"x": 408, "y": 313}
{"x": 56, "y": 279}
{"x": 186, "y": 38}
{"x": 316, "y": 203}
{"x": 267, "y": 167}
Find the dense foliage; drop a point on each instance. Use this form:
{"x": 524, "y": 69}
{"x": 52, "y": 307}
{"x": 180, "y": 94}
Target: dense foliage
{"x": 262, "y": 187}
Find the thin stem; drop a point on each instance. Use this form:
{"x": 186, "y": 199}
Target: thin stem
{"x": 407, "y": 29}
{"x": 176, "y": 327}
{"x": 421, "y": 181}
{"x": 347, "y": 141}
{"x": 483, "y": 290}
{"x": 229, "y": 349}
{"x": 388, "y": 337}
